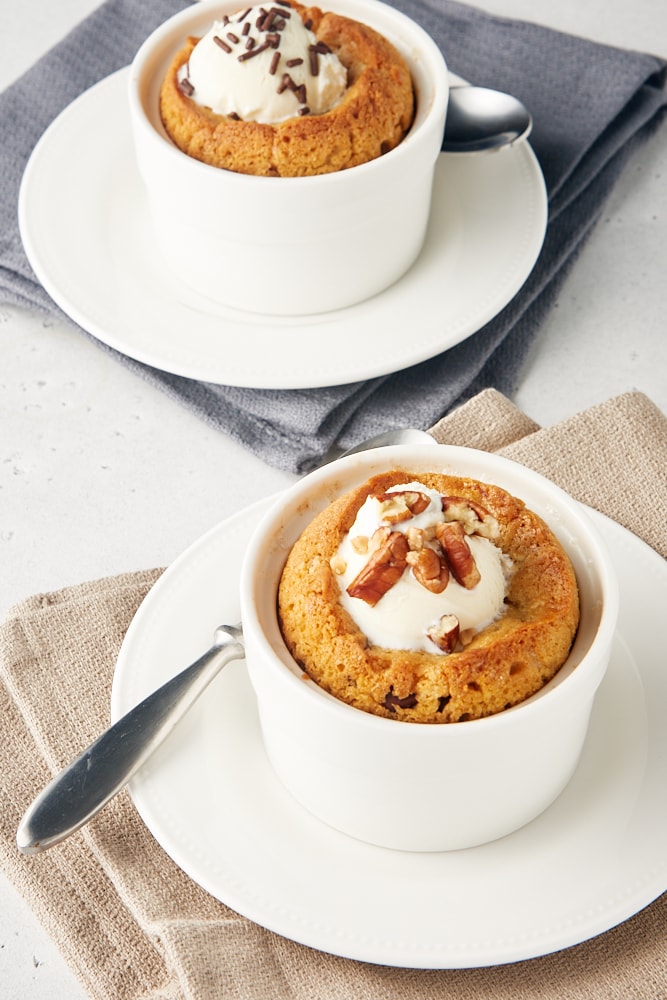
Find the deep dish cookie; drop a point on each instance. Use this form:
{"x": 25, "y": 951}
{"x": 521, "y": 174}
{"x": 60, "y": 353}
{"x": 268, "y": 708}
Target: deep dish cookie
{"x": 371, "y": 117}
{"x": 459, "y": 673}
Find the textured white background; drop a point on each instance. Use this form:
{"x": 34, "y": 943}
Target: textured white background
{"x": 100, "y": 473}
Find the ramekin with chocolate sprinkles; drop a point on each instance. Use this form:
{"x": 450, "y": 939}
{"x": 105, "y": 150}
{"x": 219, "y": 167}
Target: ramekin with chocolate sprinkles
{"x": 287, "y": 91}
{"x": 288, "y": 155}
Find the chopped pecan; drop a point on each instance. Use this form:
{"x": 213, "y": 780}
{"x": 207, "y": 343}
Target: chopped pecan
{"x": 430, "y": 569}
{"x": 401, "y": 505}
{"x": 476, "y": 520}
{"x": 467, "y": 636}
{"x": 338, "y": 564}
{"x": 451, "y": 536}
{"x": 416, "y": 538}
{"x": 444, "y": 633}
{"x": 378, "y": 538}
{"x": 360, "y": 544}
{"x": 383, "y": 569}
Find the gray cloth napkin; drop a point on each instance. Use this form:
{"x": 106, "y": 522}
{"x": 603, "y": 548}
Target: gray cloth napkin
{"x": 592, "y": 107}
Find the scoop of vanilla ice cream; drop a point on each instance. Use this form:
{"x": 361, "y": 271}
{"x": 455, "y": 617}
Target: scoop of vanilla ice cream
{"x": 262, "y": 64}
{"x": 402, "y": 616}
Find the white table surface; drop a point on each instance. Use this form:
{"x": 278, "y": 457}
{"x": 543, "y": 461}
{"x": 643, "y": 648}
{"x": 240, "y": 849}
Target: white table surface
{"x": 101, "y": 473}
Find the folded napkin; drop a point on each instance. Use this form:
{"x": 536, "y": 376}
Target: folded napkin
{"x": 133, "y": 926}
{"x": 592, "y": 106}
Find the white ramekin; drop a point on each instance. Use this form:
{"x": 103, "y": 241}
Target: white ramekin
{"x": 279, "y": 245}
{"x": 406, "y": 785}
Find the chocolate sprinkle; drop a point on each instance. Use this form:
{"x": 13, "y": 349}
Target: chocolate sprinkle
{"x": 273, "y": 19}
{"x": 234, "y": 116}
{"x": 222, "y": 43}
{"x": 186, "y": 87}
{"x": 274, "y": 63}
{"x": 253, "y": 52}
{"x": 293, "y": 62}
{"x": 233, "y": 38}
{"x": 271, "y": 15}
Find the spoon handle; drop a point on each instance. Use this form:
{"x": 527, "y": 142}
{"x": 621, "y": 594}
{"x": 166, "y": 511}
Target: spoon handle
{"x": 89, "y": 782}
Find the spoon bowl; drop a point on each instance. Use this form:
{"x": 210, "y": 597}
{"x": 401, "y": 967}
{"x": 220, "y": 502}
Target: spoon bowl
{"x": 483, "y": 119}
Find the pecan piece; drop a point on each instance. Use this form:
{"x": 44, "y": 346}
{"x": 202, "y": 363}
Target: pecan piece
{"x": 360, "y": 544}
{"x": 476, "y": 520}
{"x": 401, "y": 505}
{"x": 430, "y": 569}
{"x": 383, "y": 569}
{"x": 338, "y": 565}
{"x": 444, "y": 633}
{"x": 377, "y": 539}
{"x": 467, "y": 636}
{"x": 416, "y": 538}
{"x": 451, "y": 536}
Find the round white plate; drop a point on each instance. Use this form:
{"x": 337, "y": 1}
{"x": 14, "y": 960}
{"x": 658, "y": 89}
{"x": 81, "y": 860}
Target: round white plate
{"x": 209, "y": 796}
{"x": 85, "y": 227}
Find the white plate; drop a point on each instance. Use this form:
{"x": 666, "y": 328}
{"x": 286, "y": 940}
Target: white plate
{"x": 209, "y": 796}
{"x": 85, "y": 227}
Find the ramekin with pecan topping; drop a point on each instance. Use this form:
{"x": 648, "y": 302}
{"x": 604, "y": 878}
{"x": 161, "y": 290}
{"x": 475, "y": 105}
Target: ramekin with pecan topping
{"x": 425, "y": 786}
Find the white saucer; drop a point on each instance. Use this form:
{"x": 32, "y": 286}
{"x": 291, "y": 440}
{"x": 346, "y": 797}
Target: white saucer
{"x": 86, "y": 231}
{"x": 209, "y": 796}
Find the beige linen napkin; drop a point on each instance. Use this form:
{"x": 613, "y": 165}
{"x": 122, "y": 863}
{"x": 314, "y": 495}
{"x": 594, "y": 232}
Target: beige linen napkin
{"x": 132, "y": 925}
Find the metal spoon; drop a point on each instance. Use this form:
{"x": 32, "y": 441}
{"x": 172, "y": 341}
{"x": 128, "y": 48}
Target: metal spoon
{"x": 86, "y": 785}
{"x": 478, "y": 119}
